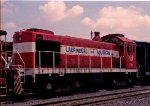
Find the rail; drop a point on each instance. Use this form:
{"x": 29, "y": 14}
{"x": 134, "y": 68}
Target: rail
{"x": 93, "y": 99}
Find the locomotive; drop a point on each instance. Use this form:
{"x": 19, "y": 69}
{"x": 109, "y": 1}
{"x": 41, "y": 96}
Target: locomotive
{"x": 43, "y": 62}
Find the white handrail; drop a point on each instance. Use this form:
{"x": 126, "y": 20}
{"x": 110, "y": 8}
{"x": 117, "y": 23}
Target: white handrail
{"x": 17, "y": 66}
{"x": 66, "y": 61}
{"x": 138, "y": 68}
{"x": 5, "y": 61}
{"x": 39, "y": 61}
{"x": 23, "y": 65}
{"x": 53, "y": 62}
{"x": 101, "y": 65}
{"x": 138, "y": 64}
{"x": 120, "y": 63}
{"x": 90, "y": 67}
{"x": 21, "y": 58}
{"x": 78, "y": 61}
{"x": 111, "y": 62}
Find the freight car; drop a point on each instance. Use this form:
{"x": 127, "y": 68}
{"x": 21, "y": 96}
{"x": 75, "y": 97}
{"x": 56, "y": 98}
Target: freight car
{"x": 48, "y": 62}
{"x": 143, "y": 58}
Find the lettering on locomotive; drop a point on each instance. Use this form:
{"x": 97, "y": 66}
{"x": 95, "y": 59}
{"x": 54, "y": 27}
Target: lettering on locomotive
{"x": 89, "y": 51}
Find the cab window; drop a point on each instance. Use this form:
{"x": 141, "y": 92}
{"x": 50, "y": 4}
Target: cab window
{"x": 130, "y": 49}
{"x": 122, "y": 48}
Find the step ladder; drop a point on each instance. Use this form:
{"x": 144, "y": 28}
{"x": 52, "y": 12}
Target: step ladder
{"x": 3, "y": 77}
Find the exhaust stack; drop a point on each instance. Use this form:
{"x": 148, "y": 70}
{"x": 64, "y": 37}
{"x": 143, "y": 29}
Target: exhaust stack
{"x": 97, "y": 36}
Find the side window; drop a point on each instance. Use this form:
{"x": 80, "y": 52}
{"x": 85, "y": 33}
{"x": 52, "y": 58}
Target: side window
{"x": 130, "y": 49}
{"x": 122, "y": 48}
{"x": 114, "y": 40}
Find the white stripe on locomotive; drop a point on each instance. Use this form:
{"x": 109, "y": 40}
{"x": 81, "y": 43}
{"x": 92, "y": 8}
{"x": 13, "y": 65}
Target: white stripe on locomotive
{"x": 27, "y": 47}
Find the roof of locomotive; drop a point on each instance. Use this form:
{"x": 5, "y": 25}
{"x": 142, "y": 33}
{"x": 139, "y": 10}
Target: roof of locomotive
{"x": 119, "y": 36}
{"x": 81, "y": 41}
{"x": 126, "y": 39}
{"x": 68, "y": 40}
{"x": 84, "y": 42}
{"x": 40, "y": 30}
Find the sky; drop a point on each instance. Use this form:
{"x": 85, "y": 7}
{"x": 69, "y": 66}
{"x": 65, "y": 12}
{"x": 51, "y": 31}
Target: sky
{"x": 78, "y": 18}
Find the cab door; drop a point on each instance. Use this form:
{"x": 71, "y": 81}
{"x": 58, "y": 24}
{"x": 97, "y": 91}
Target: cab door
{"x": 130, "y": 56}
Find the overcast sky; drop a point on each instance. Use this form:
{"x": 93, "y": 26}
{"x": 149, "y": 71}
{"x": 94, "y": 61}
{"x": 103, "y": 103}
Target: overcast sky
{"x": 78, "y": 18}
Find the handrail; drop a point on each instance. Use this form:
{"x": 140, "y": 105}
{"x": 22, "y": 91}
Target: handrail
{"x": 66, "y": 61}
{"x": 53, "y": 61}
{"x": 101, "y": 62}
{"x": 4, "y": 61}
{"x": 9, "y": 61}
{"x": 111, "y": 62}
{"x": 23, "y": 66}
{"x": 17, "y": 66}
{"x": 39, "y": 60}
{"x": 138, "y": 68}
{"x": 90, "y": 66}
{"x": 120, "y": 63}
{"x": 21, "y": 59}
{"x": 138, "y": 64}
{"x": 78, "y": 61}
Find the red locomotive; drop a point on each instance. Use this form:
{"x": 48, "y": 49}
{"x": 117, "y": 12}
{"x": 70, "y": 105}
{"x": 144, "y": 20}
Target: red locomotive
{"x": 49, "y": 62}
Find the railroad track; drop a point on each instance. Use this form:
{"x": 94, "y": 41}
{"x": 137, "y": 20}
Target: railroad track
{"x": 87, "y": 99}
{"x": 84, "y": 101}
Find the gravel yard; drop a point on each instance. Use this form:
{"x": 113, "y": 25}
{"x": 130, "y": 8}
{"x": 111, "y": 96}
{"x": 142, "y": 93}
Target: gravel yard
{"x": 142, "y": 100}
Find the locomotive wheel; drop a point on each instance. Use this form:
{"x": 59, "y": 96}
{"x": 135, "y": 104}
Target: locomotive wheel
{"x": 129, "y": 82}
{"x": 44, "y": 90}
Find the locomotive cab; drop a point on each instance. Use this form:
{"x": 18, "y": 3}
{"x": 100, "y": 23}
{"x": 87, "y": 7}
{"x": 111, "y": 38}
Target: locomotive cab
{"x": 126, "y": 47}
